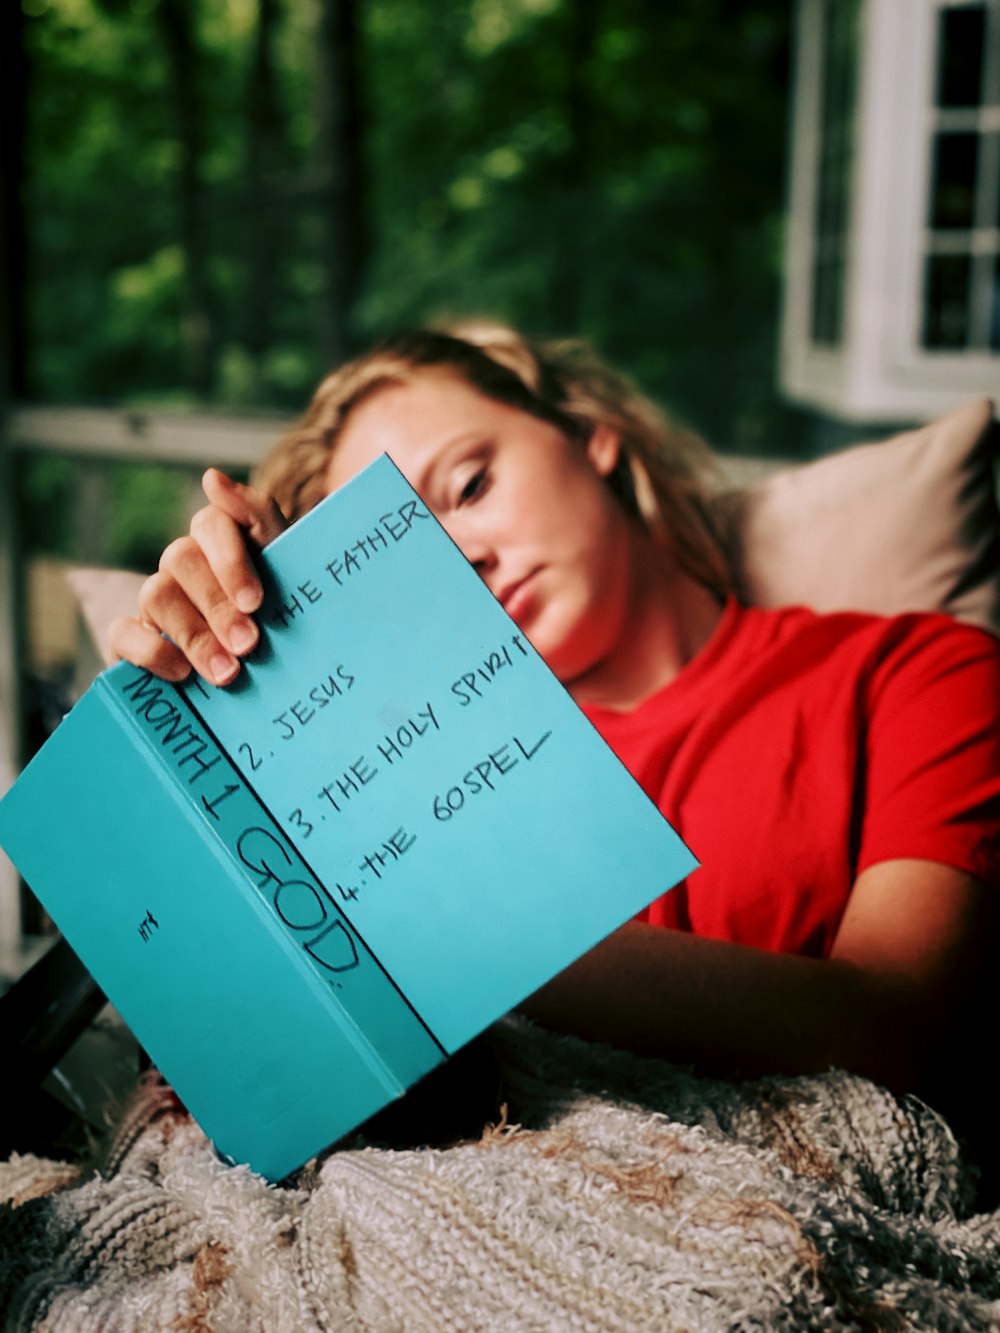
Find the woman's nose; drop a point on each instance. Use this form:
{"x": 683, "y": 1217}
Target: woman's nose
{"x": 474, "y": 545}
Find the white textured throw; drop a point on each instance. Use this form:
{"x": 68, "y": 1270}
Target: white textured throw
{"x": 631, "y": 1195}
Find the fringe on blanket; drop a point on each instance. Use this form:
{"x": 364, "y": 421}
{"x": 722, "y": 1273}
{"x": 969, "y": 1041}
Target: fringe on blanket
{"x": 615, "y": 1193}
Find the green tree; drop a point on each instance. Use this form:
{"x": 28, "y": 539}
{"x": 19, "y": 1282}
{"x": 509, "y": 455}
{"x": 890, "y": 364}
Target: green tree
{"x": 224, "y": 197}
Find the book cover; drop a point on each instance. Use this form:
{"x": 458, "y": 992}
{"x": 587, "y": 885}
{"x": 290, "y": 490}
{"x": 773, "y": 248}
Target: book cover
{"x": 304, "y": 890}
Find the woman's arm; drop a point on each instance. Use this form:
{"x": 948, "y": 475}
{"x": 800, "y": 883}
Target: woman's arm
{"x": 910, "y": 950}
{"x": 205, "y": 590}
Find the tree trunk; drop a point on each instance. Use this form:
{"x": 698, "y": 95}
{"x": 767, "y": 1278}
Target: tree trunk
{"x": 263, "y": 165}
{"x": 175, "y": 18}
{"x": 572, "y": 183}
{"x": 339, "y": 147}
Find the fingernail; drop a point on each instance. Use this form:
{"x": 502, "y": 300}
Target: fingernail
{"x": 248, "y": 599}
{"x": 223, "y": 668}
{"x": 243, "y": 636}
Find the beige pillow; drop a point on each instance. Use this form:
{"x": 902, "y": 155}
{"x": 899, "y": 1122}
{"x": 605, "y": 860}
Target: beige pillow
{"x": 104, "y": 595}
{"x": 908, "y": 524}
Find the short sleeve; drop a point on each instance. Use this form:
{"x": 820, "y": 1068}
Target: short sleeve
{"x": 932, "y": 780}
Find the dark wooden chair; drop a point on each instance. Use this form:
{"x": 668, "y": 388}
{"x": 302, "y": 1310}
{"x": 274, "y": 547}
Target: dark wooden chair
{"x": 41, "y": 1017}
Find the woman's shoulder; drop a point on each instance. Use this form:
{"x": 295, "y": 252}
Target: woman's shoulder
{"x": 796, "y": 649}
{"x": 861, "y": 631}
{"x": 760, "y": 654}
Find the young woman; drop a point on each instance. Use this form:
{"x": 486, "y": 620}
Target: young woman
{"x": 838, "y": 777}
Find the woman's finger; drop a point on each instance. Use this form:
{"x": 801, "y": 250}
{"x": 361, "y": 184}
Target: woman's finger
{"x": 255, "y": 512}
{"x": 184, "y": 602}
{"x": 131, "y": 641}
{"x": 205, "y": 590}
{"x": 223, "y": 546}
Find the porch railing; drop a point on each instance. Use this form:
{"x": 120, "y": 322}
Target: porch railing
{"x": 100, "y": 436}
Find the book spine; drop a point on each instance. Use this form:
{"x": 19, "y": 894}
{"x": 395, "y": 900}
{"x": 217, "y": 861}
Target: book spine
{"x": 298, "y": 905}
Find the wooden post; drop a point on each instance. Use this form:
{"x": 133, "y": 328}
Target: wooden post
{"x": 11, "y": 641}
{"x": 12, "y": 361}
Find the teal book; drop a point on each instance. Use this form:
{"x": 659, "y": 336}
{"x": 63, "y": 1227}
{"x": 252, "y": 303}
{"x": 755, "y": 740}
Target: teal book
{"x": 307, "y": 889}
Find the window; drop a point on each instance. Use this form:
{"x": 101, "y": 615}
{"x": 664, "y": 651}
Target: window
{"x": 961, "y": 293}
{"x": 892, "y": 301}
{"x": 837, "y": 98}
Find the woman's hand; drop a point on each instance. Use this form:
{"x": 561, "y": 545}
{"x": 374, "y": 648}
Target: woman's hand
{"x": 205, "y": 591}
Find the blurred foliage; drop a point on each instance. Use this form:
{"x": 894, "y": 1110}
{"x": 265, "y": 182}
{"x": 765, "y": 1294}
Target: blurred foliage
{"x": 45, "y": 488}
{"x": 109, "y": 319}
{"x": 607, "y": 168}
{"x": 121, "y": 514}
{"x": 612, "y": 170}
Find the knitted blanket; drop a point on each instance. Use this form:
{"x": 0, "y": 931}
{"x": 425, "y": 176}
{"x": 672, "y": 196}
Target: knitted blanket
{"x": 618, "y": 1193}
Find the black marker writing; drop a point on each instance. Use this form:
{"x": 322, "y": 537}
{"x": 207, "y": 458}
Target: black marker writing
{"x": 392, "y": 527}
{"x": 394, "y": 743}
{"x": 153, "y": 703}
{"x": 252, "y": 759}
{"x": 294, "y": 603}
{"x": 470, "y": 684}
{"x": 484, "y": 775}
{"x": 147, "y": 925}
{"x": 212, "y": 806}
{"x": 300, "y": 713}
{"x": 350, "y": 782}
{"x": 299, "y": 903}
{"x": 391, "y": 850}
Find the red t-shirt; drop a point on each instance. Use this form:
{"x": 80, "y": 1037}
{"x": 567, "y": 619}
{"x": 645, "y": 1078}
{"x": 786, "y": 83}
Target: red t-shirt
{"x": 796, "y": 750}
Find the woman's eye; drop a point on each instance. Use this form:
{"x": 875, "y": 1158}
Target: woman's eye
{"x": 473, "y": 487}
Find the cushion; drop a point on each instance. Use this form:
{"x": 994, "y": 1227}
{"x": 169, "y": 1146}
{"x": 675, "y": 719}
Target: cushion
{"x": 908, "y": 524}
{"x": 104, "y": 595}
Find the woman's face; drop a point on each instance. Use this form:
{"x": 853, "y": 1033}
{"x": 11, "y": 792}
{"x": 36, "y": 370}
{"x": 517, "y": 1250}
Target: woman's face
{"x": 530, "y": 509}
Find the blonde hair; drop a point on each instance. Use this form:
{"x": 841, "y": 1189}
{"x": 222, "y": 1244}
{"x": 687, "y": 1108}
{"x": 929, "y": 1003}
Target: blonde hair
{"x": 663, "y": 474}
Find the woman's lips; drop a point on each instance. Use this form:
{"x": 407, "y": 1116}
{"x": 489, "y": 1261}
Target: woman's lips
{"x": 518, "y": 598}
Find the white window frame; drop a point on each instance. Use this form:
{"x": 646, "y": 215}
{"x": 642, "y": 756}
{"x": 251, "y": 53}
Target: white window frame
{"x": 879, "y": 372}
